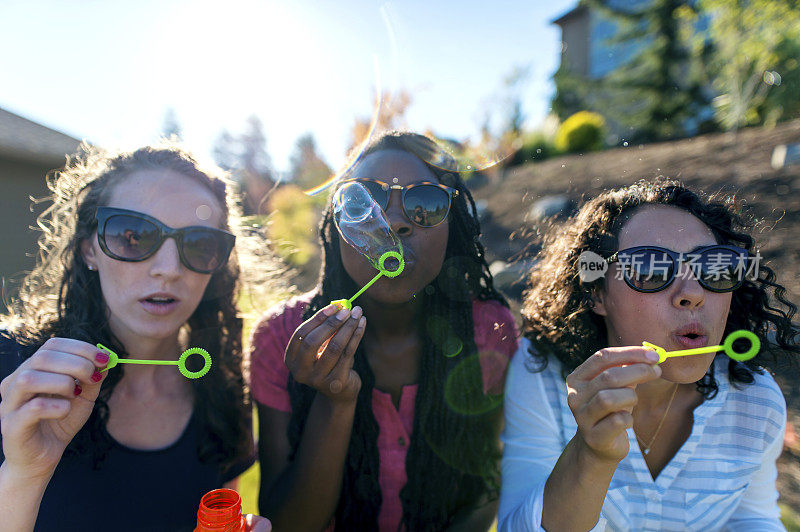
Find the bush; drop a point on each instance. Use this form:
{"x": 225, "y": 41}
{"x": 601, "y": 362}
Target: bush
{"x": 293, "y": 223}
{"x": 583, "y": 131}
{"x": 535, "y": 147}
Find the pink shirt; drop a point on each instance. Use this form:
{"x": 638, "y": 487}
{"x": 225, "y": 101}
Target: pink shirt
{"x": 496, "y": 340}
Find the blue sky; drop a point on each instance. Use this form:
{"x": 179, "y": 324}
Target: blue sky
{"x": 107, "y": 71}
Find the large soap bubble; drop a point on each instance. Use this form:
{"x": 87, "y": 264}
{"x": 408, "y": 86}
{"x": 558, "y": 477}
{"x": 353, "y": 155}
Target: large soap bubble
{"x": 362, "y": 224}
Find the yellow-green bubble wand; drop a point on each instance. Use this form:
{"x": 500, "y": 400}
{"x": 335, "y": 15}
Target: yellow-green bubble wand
{"x": 727, "y": 347}
{"x": 114, "y": 359}
{"x": 382, "y": 271}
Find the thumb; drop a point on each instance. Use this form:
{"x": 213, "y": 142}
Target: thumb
{"x": 256, "y": 523}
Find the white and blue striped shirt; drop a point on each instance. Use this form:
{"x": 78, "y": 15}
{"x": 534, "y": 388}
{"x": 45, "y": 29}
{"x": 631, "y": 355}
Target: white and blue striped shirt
{"x": 722, "y": 478}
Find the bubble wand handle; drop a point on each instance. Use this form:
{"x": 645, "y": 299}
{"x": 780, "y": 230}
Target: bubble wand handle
{"x": 348, "y": 303}
{"x": 114, "y": 359}
{"x": 727, "y": 346}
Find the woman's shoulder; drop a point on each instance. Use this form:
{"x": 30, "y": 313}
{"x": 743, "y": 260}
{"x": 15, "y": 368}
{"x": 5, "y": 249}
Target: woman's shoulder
{"x": 494, "y": 326}
{"x": 763, "y": 393}
{"x": 759, "y": 405}
{"x": 285, "y": 313}
{"x": 528, "y": 365}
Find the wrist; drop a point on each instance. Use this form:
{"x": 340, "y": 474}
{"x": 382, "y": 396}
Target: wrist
{"x": 590, "y": 459}
{"x": 25, "y": 478}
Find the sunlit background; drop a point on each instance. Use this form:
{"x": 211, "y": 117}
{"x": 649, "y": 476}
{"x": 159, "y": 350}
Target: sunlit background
{"x": 556, "y": 100}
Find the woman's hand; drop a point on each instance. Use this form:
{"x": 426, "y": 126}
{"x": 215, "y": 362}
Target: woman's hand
{"x": 256, "y": 523}
{"x": 321, "y": 351}
{"x": 602, "y": 394}
{"x": 46, "y": 401}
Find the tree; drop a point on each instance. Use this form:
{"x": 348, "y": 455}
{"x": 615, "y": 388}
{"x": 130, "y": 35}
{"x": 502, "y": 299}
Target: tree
{"x": 754, "y": 51}
{"x": 307, "y": 168}
{"x": 224, "y": 151}
{"x": 171, "y": 127}
{"x": 250, "y": 165}
{"x": 390, "y": 115}
{"x": 658, "y": 92}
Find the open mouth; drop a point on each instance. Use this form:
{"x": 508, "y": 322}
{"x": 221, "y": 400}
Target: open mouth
{"x": 159, "y": 300}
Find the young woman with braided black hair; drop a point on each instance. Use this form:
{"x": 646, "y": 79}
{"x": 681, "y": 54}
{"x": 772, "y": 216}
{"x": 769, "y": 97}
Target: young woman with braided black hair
{"x": 396, "y": 424}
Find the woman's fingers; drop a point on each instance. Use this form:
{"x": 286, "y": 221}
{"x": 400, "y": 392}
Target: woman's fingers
{"x": 610, "y": 357}
{"x": 25, "y": 419}
{"x": 622, "y": 377}
{"x": 309, "y": 337}
{"x": 30, "y": 382}
{"x": 342, "y": 377}
{"x": 336, "y": 346}
{"x": 606, "y": 402}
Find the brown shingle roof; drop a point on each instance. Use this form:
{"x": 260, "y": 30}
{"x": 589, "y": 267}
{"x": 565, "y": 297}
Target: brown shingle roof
{"x": 24, "y": 139}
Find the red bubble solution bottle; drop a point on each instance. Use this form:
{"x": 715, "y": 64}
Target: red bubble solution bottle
{"x": 220, "y": 511}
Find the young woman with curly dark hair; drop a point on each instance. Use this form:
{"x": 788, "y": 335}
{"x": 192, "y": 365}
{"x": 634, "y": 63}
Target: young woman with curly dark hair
{"x": 396, "y": 424}
{"x": 598, "y": 434}
{"x": 136, "y": 254}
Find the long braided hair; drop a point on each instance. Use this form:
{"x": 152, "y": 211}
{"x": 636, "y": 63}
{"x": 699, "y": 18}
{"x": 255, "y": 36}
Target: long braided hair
{"x": 452, "y": 460}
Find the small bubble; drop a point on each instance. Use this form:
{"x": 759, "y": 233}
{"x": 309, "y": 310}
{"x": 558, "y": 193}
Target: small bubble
{"x": 429, "y": 290}
{"x": 625, "y": 143}
{"x": 203, "y": 212}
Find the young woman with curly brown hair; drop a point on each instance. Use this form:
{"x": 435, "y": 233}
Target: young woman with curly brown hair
{"x": 136, "y": 254}
{"x": 599, "y": 435}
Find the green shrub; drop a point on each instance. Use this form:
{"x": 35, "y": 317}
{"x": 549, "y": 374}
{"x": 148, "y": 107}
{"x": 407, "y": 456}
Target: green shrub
{"x": 293, "y": 223}
{"x": 583, "y": 131}
{"x": 535, "y": 147}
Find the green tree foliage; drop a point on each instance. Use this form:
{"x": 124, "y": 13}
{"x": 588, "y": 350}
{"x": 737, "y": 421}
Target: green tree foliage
{"x": 659, "y": 89}
{"x": 584, "y": 131}
{"x": 307, "y": 168}
{"x": 753, "y": 61}
{"x": 293, "y": 223}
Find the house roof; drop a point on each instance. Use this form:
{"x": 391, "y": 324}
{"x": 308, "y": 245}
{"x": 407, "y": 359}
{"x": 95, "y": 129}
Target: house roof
{"x": 26, "y": 140}
{"x": 572, "y": 13}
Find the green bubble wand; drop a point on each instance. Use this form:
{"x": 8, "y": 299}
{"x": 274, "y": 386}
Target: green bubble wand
{"x": 114, "y": 359}
{"x": 727, "y": 347}
{"x": 382, "y": 271}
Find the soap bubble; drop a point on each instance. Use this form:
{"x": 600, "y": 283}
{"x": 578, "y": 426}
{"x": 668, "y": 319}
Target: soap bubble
{"x": 362, "y": 224}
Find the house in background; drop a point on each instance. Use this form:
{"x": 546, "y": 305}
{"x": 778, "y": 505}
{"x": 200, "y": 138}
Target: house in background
{"x": 28, "y": 151}
{"x": 591, "y": 49}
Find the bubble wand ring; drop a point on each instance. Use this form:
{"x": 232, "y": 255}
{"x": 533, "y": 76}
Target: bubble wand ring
{"x": 727, "y": 347}
{"x": 348, "y": 303}
{"x": 113, "y": 360}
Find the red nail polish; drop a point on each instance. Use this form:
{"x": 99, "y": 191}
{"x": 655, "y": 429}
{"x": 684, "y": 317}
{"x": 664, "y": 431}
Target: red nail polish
{"x": 77, "y": 391}
{"x": 97, "y": 376}
{"x": 101, "y": 357}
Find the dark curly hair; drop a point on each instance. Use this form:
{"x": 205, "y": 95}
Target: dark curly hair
{"x": 557, "y": 308}
{"x": 452, "y": 461}
{"x": 62, "y": 297}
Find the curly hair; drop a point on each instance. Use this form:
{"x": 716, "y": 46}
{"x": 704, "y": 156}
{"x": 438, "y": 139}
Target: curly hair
{"x": 62, "y": 297}
{"x": 452, "y": 460}
{"x": 557, "y": 307}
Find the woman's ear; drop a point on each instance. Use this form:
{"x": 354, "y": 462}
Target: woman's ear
{"x": 88, "y": 254}
{"x": 598, "y": 301}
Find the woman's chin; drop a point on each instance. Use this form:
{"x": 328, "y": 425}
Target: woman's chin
{"x": 686, "y": 369}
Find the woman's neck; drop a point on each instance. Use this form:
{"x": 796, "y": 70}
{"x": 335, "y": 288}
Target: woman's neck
{"x": 390, "y": 320}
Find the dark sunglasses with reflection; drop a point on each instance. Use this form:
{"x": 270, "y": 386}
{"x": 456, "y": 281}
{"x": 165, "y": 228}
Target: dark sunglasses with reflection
{"x": 132, "y": 236}
{"x": 718, "y": 268}
{"x": 426, "y": 203}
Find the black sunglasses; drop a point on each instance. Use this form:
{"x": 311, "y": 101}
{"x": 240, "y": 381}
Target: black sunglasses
{"x": 426, "y": 204}
{"x": 718, "y": 268}
{"x": 131, "y": 236}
